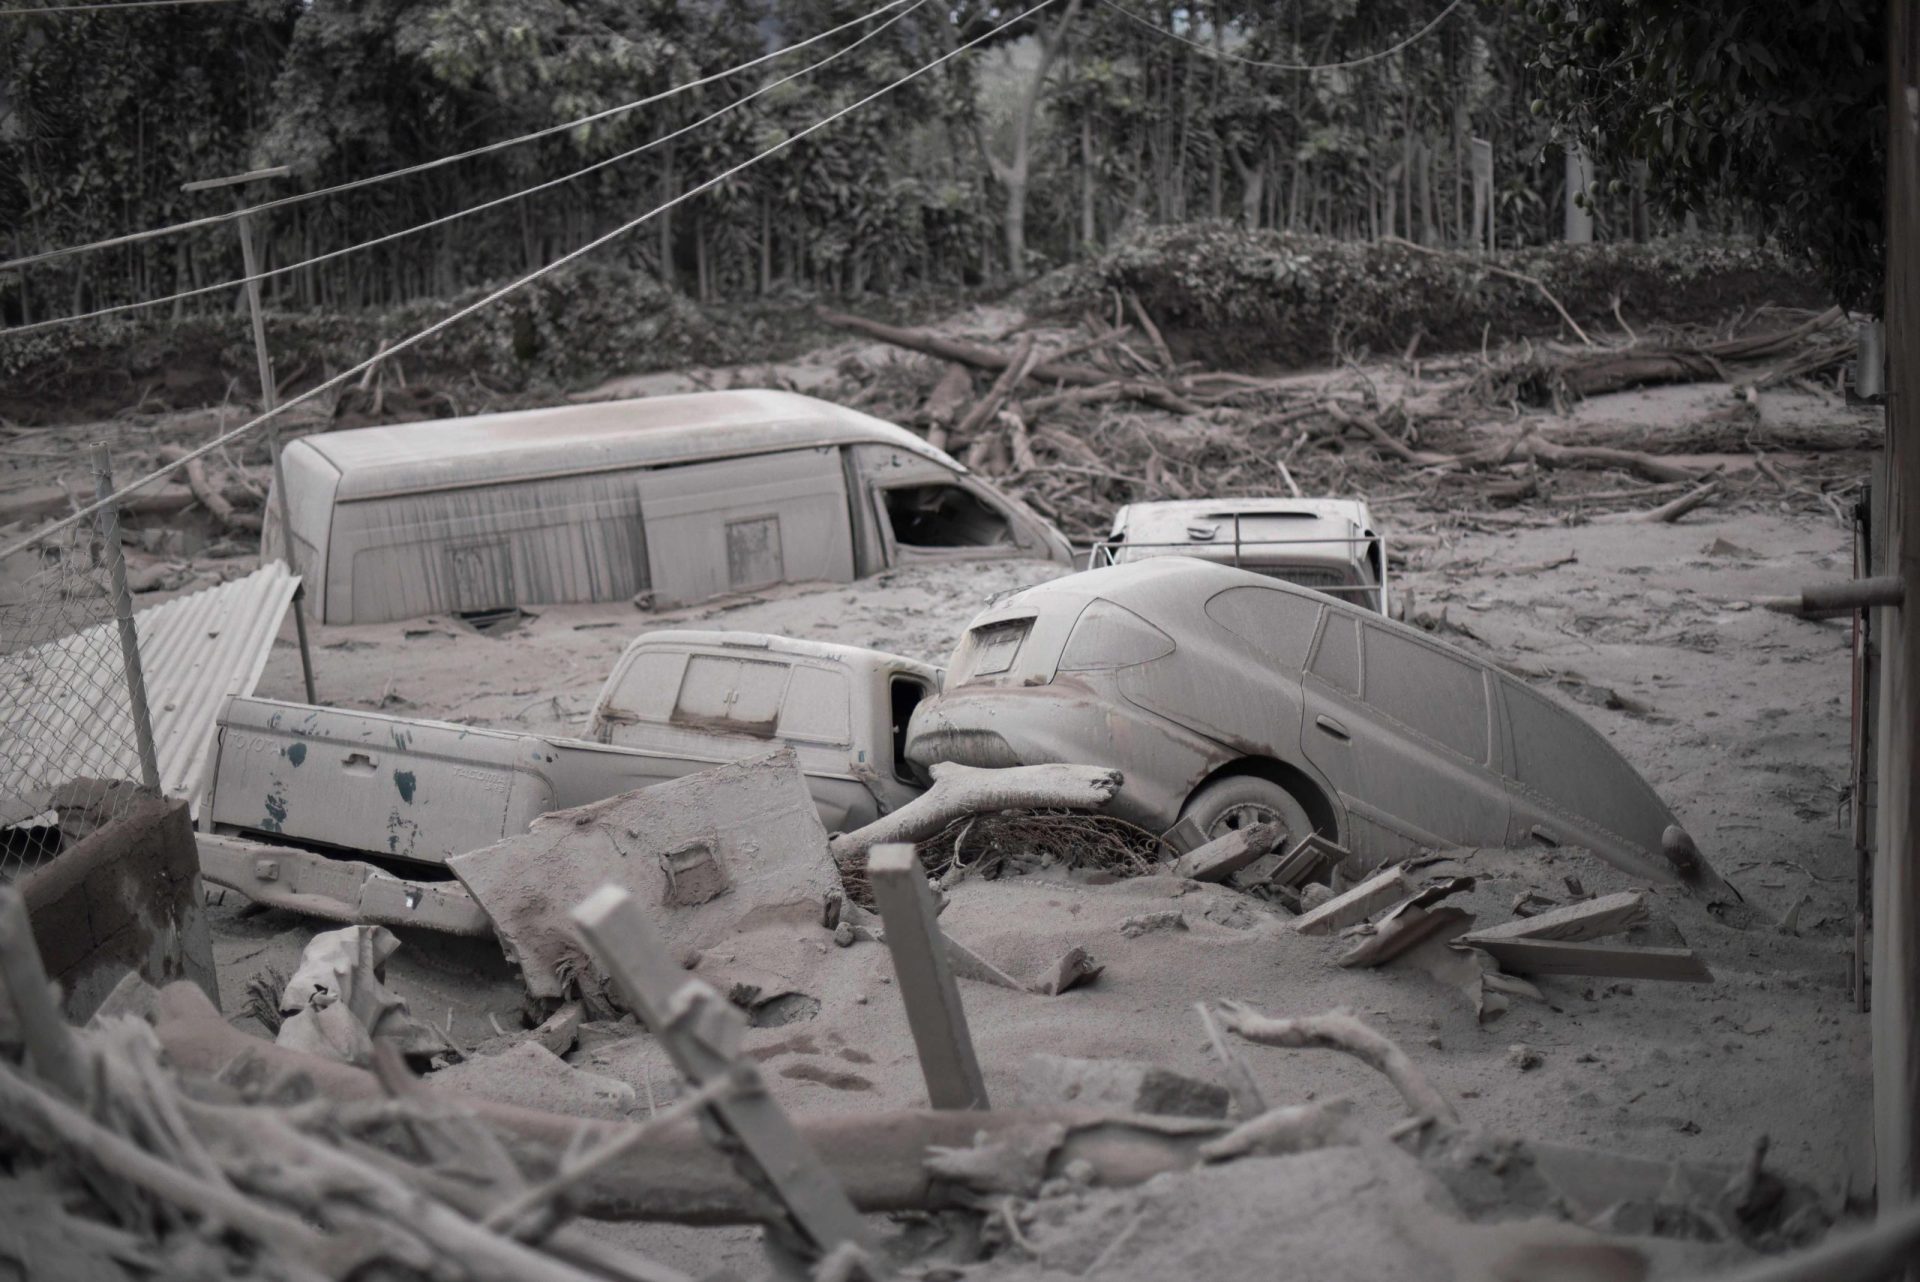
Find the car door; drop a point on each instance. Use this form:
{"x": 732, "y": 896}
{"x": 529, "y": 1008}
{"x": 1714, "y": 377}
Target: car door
{"x": 1568, "y": 786}
{"x": 1404, "y": 731}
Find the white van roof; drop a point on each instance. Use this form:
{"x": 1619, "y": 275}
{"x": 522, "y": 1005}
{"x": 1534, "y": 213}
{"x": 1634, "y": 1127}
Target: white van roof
{"x": 522, "y": 445}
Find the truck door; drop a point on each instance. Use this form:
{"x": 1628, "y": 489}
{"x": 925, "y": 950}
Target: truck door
{"x": 743, "y": 523}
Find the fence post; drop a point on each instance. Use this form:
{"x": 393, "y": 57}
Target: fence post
{"x": 107, "y": 522}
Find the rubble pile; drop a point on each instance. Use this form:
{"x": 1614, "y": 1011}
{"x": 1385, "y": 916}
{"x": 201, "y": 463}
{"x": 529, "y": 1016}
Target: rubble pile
{"x": 1080, "y": 418}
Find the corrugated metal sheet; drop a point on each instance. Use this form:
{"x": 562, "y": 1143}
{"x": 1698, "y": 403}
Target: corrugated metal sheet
{"x": 195, "y": 652}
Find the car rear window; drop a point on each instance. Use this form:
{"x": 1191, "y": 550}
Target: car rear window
{"x": 1427, "y": 690}
{"x": 1277, "y": 624}
{"x": 989, "y": 649}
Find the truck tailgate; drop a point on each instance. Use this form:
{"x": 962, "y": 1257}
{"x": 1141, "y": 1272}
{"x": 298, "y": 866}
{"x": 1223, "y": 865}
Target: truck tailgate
{"x": 419, "y": 790}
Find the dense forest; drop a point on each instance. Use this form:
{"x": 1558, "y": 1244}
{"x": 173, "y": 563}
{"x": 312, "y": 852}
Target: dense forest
{"x": 1067, "y": 132}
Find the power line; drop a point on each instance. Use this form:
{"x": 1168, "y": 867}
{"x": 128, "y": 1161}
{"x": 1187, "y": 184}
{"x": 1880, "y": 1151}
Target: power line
{"x": 97, "y": 8}
{"x": 1282, "y": 66}
{"x": 212, "y": 220}
{"x": 419, "y": 336}
{"x": 497, "y": 201}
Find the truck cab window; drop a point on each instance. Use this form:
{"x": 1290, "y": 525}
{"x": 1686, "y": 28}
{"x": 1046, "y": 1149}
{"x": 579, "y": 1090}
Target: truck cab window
{"x": 943, "y": 516}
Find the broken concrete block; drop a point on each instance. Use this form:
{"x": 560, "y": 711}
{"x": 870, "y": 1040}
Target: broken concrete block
{"x": 1524, "y": 1057}
{"x": 1075, "y": 968}
{"x": 1147, "y": 923}
{"x": 1116, "y": 1085}
{"x": 531, "y": 1076}
{"x": 707, "y": 855}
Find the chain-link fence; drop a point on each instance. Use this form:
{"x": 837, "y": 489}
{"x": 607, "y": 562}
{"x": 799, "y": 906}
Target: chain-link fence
{"x": 75, "y": 742}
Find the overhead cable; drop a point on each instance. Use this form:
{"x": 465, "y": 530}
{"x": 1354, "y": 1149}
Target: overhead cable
{"x": 514, "y": 286}
{"x": 495, "y": 203}
{"x": 212, "y": 220}
{"x": 101, "y": 8}
{"x": 1286, "y": 66}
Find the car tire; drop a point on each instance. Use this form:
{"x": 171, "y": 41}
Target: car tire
{"x": 1240, "y": 801}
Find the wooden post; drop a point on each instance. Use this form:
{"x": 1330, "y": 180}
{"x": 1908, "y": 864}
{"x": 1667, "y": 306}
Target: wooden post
{"x": 269, "y": 395}
{"x": 701, "y": 1034}
{"x": 926, "y": 979}
{"x": 1896, "y": 864}
{"x": 107, "y": 522}
{"x": 1579, "y": 217}
{"x": 56, "y": 1060}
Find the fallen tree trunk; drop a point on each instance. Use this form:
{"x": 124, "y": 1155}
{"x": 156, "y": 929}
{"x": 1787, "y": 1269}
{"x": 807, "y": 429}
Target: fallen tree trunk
{"x": 981, "y": 356}
{"x": 959, "y": 791}
{"x": 880, "y": 1158}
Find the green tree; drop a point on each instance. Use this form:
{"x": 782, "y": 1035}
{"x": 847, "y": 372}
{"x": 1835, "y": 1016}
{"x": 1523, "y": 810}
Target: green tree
{"x": 1777, "y": 110}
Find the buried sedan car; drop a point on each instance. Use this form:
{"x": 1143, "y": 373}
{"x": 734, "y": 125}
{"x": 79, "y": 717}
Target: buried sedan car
{"x": 1229, "y": 698}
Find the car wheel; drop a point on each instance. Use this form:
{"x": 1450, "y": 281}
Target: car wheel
{"x": 1241, "y": 801}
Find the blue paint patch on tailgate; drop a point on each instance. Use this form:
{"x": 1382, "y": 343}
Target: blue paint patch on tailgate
{"x": 295, "y": 752}
{"x": 403, "y": 780}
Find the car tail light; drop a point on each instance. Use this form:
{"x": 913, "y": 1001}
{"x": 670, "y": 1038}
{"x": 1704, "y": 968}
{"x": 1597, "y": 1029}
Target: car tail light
{"x": 1112, "y": 636}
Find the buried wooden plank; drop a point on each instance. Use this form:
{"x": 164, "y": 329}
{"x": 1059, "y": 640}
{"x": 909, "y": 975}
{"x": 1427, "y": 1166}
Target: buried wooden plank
{"x": 1225, "y": 855}
{"x": 1589, "y": 919}
{"x": 925, "y": 974}
{"x": 1356, "y": 905}
{"x": 1405, "y": 929}
{"x": 1306, "y": 859}
{"x": 1605, "y": 961}
{"x": 701, "y": 1033}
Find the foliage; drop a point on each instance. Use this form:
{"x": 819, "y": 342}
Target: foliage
{"x": 1280, "y": 300}
{"x": 1777, "y": 109}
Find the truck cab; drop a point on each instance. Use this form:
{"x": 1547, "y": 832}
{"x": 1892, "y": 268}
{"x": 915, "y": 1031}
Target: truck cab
{"x": 352, "y": 815}
{"x": 1326, "y": 544}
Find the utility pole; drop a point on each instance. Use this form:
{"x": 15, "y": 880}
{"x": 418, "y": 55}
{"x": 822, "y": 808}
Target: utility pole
{"x": 1896, "y": 863}
{"x": 269, "y": 394}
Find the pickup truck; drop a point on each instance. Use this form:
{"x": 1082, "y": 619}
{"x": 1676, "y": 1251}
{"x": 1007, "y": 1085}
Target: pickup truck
{"x": 303, "y": 797}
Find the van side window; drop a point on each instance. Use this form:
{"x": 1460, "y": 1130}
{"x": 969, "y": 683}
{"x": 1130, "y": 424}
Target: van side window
{"x": 943, "y": 516}
{"x": 1337, "y": 661}
{"x": 1429, "y": 691}
{"x": 1277, "y": 624}
{"x": 815, "y": 709}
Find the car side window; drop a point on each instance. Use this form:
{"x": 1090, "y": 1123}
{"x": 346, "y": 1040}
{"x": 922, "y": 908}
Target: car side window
{"x": 1428, "y": 691}
{"x": 1277, "y": 624}
{"x": 1562, "y": 758}
{"x": 1337, "y": 661}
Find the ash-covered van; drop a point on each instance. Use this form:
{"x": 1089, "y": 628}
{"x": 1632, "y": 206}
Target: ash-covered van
{"x": 666, "y": 500}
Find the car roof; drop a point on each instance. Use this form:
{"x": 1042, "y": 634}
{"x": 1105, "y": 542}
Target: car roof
{"x": 747, "y": 643}
{"x": 1171, "y": 592}
{"x": 564, "y": 440}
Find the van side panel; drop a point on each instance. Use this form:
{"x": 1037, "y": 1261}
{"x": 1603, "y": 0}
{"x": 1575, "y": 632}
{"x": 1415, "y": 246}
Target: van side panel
{"x": 577, "y": 538}
{"x": 744, "y": 523}
{"x": 311, "y": 484}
